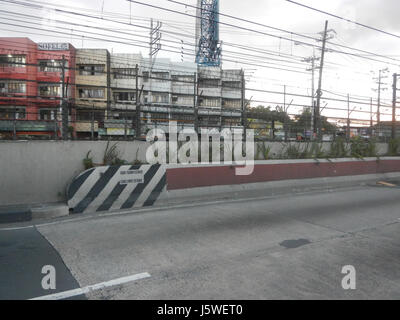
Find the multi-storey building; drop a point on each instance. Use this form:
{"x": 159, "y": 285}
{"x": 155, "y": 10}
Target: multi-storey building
{"x": 31, "y": 77}
{"x": 104, "y": 91}
{"x": 93, "y": 93}
{"x": 126, "y": 81}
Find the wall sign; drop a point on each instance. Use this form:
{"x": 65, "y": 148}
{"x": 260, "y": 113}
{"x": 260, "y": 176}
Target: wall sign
{"x": 53, "y": 46}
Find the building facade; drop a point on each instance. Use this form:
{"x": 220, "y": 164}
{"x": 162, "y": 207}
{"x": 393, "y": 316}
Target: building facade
{"x": 31, "y": 77}
{"x": 106, "y": 93}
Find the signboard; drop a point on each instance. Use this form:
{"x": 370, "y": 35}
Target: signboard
{"x": 119, "y": 132}
{"x": 53, "y": 46}
{"x": 131, "y": 176}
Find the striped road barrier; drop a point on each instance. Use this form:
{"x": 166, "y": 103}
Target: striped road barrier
{"x": 116, "y": 188}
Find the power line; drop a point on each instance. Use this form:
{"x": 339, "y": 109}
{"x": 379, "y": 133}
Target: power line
{"x": 345, "y": 19}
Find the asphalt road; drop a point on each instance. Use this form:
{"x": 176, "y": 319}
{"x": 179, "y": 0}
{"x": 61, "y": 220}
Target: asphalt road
{"x": 288, "y": 247}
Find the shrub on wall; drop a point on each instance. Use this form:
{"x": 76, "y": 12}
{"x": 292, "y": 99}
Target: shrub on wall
{"x": 394, "y": 147}
{"x": 361, "y": 148}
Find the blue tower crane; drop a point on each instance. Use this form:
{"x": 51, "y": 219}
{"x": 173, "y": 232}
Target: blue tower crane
{"x": 208, "y": 51}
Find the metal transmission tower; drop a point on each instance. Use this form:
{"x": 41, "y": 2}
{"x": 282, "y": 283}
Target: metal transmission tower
{"x": 208, "y": 51}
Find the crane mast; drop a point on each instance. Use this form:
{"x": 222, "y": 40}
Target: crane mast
{"x": 208, "y": 48}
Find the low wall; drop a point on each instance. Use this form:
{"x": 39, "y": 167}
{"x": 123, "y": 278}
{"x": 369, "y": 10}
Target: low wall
{"x": 265, "y": 171}
{"x": 34, "y": 172}
{"x": 39, "y": 171}
{"x": 125, "y": 187}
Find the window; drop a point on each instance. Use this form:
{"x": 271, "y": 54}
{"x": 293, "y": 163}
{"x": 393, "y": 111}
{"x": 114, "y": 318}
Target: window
{"x": 12, "y": 87}
{"x": 91, "y": 70}
{"x": 12, "y": 61}
{"x": 47, "y": 114}
{"x": 50, "y": 91}
{"x": 156, "y": 76}
{"x": 51, "y": 65}
{"x": 126, "y": 73}
{"x": 160, "y": 98}
{"x": 91, "y": 93}
{"x": 233, "y": 104}
{"x": 183, "y": 100}
{"x": 160, "y": 76}
{"x": 183, "y": 79}
{"x": 231, "y": 84}
{"x": 209, "y": 83}
{"x": 8, "y": 112}
{"x": 213, "y": 103}
{"x": 124, "y": 96}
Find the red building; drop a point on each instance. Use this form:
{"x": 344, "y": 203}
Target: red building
{"x": 30, "y": 85}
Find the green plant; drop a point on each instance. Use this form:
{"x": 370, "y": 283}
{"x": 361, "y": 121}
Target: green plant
{"x": 111, "y": 155}
{"x": 317, "y": 151}
{"x": 88, "y": 161}
{"x": 137, "y": 162}
{"x": 263, "y": 151}
{"x": 292, "y": 151}
{"x": 394, "y": 147}
{"x": 361, "y": 148}
{"x": 338, "y": 149}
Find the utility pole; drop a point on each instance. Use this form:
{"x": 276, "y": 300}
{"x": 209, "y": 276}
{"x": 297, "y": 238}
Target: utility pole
{"x": 348, "y": 118}
{"x": 155, "y": 46}
{"x": 319, "y": 92}
{"x": 371, "y": 115}
{"x": 244, "y": 108}
{"x": 313, "y": 68}
{"x": 285, "y": 114}
{"x": 394, "y": 105}
{"x": 380, "y": 89}
{"x": 138, "y": 105}
{"x": 63, "y": 104}
{"x": 15, "y": 124}
{"x": 196, "y": 103}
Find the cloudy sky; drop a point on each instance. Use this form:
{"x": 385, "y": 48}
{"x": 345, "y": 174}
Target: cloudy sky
{"x": 260, "y": 50}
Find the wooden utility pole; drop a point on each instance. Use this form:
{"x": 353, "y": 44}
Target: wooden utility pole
{"x": 319, "y": 92}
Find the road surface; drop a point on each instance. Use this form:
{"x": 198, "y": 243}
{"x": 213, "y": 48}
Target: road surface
{"x": 286, "y": 247}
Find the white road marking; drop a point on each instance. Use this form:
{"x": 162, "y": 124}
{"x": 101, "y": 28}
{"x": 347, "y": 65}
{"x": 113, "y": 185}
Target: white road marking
{"x": 99, "y": 286}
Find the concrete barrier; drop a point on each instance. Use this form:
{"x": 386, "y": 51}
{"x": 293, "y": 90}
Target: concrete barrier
{"x": 106, "y": 188}
{"x": 116, "y": 188}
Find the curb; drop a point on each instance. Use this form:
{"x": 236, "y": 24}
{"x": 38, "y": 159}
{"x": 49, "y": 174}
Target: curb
{"x": 24, "y": 213}
{"x": 11, "y": 214}
{"x": 269, "y": 189}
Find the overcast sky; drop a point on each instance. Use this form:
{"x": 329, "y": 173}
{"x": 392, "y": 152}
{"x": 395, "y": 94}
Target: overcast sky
{"x": 343, "y": 74}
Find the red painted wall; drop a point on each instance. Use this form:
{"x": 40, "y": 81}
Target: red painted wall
{"x": 32, "y": 75}
{"x": 186, "y": 178}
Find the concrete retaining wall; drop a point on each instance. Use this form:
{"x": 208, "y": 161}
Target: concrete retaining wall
{"x": 39, "y": 171}
{"x": 33, "y": 172}
{"x": 126, "y": 187}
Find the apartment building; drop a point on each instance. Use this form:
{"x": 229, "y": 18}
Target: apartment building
{"x": 30, "y": 85}
{"x": 93, "y": 92}
{"x": 104, "y": 90}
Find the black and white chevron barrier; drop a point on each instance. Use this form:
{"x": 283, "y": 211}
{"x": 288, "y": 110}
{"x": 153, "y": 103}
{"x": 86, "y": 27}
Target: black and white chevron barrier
{"x": 116, "y": 187}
